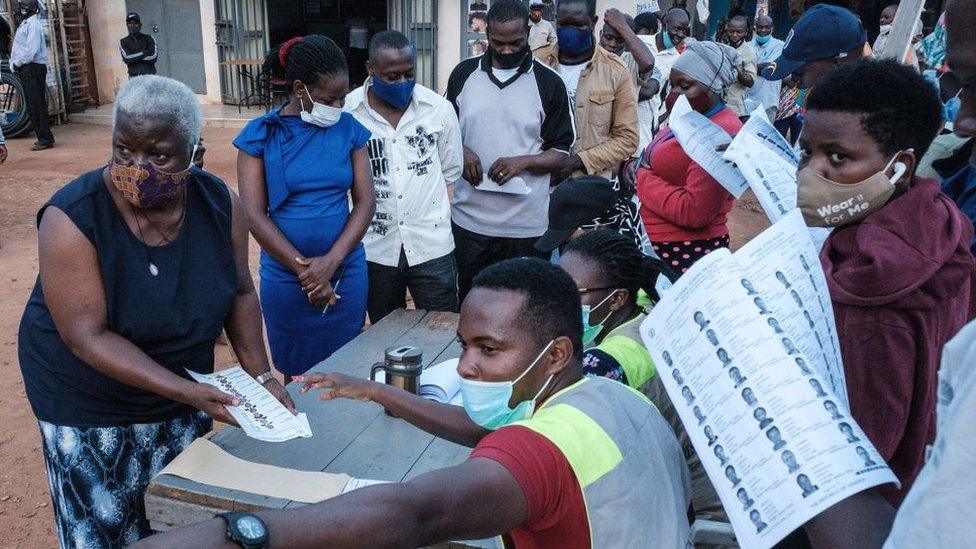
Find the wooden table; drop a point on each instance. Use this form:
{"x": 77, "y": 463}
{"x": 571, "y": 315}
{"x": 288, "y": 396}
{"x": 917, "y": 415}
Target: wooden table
{"x": 350, "y": 437}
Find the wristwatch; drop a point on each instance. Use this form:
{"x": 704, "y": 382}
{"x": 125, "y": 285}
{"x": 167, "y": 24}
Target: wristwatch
{"x": 246, "y": 530}
{"x": 265, "y": 377}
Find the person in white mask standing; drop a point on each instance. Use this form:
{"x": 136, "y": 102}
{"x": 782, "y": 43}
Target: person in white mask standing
{"x": 559, "y": 460}
{"x": 898, "y": 263}
{"x": 296, "y": 166}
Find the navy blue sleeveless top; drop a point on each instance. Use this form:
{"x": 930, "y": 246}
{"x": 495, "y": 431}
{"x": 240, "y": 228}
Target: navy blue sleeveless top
{"x": 174, "y": 317}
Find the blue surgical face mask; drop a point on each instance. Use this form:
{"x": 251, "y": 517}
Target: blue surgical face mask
{"x": 486, "y": 402}
{"x": 574, "y": 40}
{"x": 397, "y": 94}
{"x": 763, "y": 39}
{"x": 666, "y": 38}
{"x": 591, "y": 331}
{"x": 950, "y": 109}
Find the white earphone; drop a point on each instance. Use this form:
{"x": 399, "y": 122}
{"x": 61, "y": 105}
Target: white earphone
{"x": 900, "y": 169}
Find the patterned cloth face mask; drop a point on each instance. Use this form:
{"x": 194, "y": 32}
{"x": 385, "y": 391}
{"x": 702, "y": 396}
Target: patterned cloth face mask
{"x": 145, "y": 186}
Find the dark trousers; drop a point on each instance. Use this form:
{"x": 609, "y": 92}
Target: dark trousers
{"x": 432, "y": 285}
{"x": 476, "y": 251}
{"x": 791, "y": 124}
{"x": 34, "y": 78}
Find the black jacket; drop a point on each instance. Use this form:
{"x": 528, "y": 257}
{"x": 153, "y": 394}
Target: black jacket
{"x": 139, "y": 53}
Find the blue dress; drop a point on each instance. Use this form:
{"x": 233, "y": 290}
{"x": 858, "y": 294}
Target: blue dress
{"x": 308, "y": 173}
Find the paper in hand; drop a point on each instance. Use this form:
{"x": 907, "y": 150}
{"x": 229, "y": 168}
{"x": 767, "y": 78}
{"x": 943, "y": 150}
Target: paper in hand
{"x": 700, "y": 138}
{"x": 259, "y": 414}
{"x": 778, "y": 444}
{"x": 515, "y": 185}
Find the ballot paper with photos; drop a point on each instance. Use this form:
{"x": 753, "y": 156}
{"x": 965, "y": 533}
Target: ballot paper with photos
{"x": 259, "y": 413}
{"x": 701, "y": 139}
{"x": 769, "y": 164}
{"x": 776, "y": 439}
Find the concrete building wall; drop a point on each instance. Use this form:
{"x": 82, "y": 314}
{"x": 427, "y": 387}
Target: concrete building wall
{"x": 107, "y": 22}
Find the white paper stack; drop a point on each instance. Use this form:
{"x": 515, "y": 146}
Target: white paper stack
{"x": 260, "y": 414}
{"x": 441, "y": 383}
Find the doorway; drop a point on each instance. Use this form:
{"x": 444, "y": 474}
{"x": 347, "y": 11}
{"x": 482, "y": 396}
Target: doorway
{"x": 350, "y": 23}
{"x": 175, "y": 24}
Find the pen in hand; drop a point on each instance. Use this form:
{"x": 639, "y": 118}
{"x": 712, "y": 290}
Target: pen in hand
{"x": 335, "y": 289}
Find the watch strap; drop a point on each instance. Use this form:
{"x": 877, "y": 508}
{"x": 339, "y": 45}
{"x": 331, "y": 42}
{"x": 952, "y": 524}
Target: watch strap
{"x": 265, "y": 377}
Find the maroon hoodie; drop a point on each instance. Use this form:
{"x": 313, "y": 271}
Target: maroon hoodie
{"x": 900, "y": 282}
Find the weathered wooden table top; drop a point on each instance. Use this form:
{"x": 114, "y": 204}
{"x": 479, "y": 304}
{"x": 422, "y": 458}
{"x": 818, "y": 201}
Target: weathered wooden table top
{"x": 350, "y": 437}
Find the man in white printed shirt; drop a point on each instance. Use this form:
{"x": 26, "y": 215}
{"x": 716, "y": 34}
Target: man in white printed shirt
{"x": 415, "y": 153}
{"x": 28, "y": 58}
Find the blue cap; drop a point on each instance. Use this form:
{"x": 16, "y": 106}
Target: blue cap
{"x": 823, "y": 32}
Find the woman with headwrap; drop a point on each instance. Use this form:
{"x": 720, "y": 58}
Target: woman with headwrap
{"x": 684, "y": 209}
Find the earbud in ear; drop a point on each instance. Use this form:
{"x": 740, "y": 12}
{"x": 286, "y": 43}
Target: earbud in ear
{"x": 900, "y": 169}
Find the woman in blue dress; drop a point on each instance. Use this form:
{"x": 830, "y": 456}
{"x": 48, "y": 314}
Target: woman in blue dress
{"x": 297, "y": 168}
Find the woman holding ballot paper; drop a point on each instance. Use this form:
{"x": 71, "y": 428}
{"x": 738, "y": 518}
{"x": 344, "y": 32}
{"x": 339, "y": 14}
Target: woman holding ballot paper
{"x": 685, "y": 209}
{"x": 898, "y": 263}
{"x": 142, "y": 263}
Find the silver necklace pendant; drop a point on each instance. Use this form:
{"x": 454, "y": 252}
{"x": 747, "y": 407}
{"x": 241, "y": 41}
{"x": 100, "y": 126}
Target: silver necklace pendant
{"x": 153, "y": 270}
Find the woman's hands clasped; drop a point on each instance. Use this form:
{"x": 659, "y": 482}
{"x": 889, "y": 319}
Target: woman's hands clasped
{"x": 316, "y": 277}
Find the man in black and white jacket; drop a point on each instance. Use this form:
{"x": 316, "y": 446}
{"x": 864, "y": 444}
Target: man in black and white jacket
{"x": 138, "y": 50}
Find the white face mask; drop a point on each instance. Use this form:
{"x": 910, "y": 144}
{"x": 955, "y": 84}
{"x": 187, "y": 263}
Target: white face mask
{"x": 885, "y": 29}
{"x": 322, "y": 115}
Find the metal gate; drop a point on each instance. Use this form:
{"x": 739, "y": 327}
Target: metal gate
{"x": 418, "y": 20}
{"x": 242, "y": 42}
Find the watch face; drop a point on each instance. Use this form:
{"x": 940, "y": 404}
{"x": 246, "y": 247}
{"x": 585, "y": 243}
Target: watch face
{"x": 250, "y": 527}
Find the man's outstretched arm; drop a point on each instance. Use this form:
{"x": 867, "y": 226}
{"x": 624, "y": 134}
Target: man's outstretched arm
{"x": 474, "y": 500}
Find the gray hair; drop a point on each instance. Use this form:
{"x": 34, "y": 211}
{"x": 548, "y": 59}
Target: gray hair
{"x": 152, "y": 96}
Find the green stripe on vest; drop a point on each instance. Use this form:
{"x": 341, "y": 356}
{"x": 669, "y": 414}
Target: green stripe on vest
{"x": 632, "y": 357}
{"x": 588, "y": 448}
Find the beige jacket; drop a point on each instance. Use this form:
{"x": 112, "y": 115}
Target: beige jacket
{"x": 605, "y": 110}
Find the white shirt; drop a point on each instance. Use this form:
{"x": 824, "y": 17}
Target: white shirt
{"x": 571, "y": 76}
{"x": 504, "y": 75}
{"x": 412, "y": 166}
{"x": 938, "y": 510}
{"x": 541, "y": 33}
{"x": 766, "y": 91}
{"x": 29, "y": 46}
{"x": 664, "y": 60}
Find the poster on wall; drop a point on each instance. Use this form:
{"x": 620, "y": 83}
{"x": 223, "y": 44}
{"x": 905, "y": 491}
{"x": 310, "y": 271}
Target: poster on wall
{"x": 477, "y": 47}
{"x": 477, "y": 20}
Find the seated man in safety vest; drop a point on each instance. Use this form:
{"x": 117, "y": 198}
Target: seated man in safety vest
{"x": 560, "y": 461}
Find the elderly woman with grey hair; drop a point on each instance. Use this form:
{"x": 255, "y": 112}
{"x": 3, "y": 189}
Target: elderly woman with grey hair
{"x": 142, "y": 263}
{"x": 684, "y": 209}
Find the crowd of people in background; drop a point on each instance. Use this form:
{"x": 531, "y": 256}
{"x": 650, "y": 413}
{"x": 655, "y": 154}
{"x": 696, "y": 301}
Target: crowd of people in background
{"x": 545, "y": 198}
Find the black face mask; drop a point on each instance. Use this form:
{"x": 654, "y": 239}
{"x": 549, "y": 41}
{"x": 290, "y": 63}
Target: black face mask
{"x": 510, "y": 60}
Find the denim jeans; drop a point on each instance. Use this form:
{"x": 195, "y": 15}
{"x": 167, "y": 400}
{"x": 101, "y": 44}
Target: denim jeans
{"x": 432, "y": 285}
{"x": 476, "y": 251}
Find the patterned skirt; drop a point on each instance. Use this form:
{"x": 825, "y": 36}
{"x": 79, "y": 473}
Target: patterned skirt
{"x": 98, "y": 476}
{"x": 681, "y": 255}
